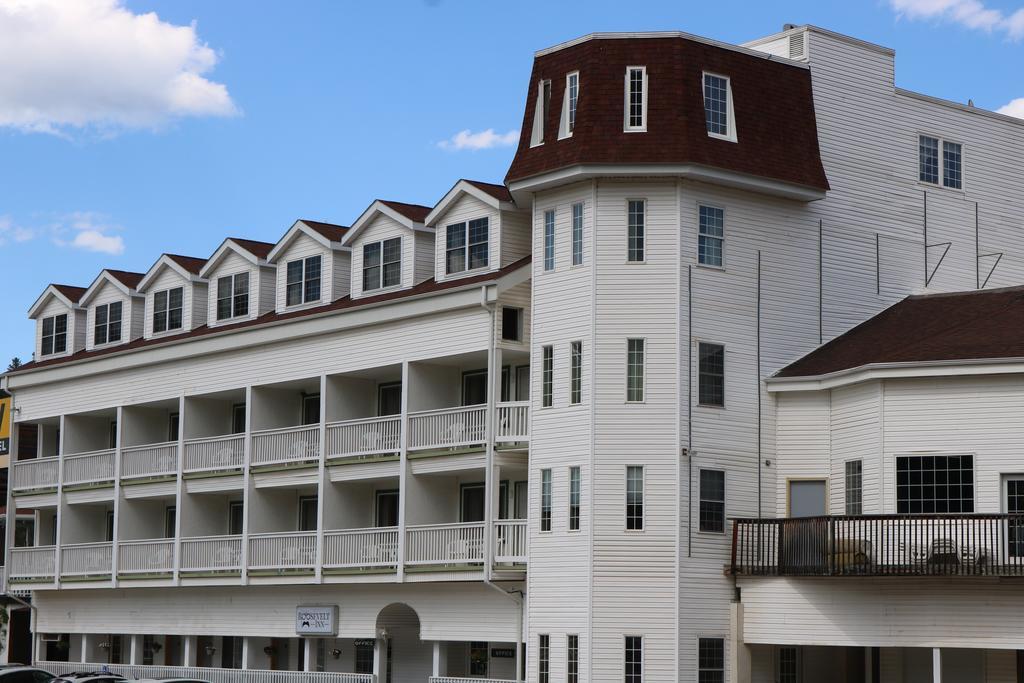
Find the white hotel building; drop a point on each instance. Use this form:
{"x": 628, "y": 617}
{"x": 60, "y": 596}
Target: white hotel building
{"x": 605, "y": 422}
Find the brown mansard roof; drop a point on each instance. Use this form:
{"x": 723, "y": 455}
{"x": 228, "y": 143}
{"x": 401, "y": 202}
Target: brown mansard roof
{"x": 978, "y": 325}
{"x": 773, "y": 103}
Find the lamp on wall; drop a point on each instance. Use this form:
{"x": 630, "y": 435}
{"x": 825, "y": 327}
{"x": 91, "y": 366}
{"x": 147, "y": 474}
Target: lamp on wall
{"x": 210, "y": 650}
{"x": 336, "y": 653}
{"x": 156, "y": 647}
{"x": 104, "y": 645}
{"x": 268, "y": 650}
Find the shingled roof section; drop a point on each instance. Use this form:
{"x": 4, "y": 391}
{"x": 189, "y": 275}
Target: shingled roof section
{"x": 190, "y": 263}
{"x": 978, "y": 325}
{"x": 128, "y": 279}
{"x": 499, "y": 192}
{"x": 258, "y": 249}
{"x": 773, "y": 102}
{"x": 329, "y": 230}
{"x": 414, "y": 212}
{"x": 74, "y": 294}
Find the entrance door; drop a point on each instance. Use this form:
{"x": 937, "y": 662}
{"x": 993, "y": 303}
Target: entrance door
{"x": 389, "y": 399}
{"x": 387, "y": 508}
{"x": 805, "y": 545}
{"x": 472, "y": 506}
{"x": 807, "y": 498}
{"x": 474, "y": 388}
{"x": 1015, "y": 509}
{"x": 523, "y": 383}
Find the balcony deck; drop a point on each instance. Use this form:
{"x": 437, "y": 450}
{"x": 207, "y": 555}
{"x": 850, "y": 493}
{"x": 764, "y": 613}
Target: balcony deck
{"x": 880, "y": 545}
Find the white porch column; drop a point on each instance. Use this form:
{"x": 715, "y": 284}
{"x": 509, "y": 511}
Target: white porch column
{"x": 380, "y": 656}
{"x": 191, "y": 644}
{"x": 84, "y": 656}
{"x": 135, "y": 649}
{"x": 246, "y": 647}
{"x": 936, "y": 665}
{"x": 440, "y": 658}
{"x": 738, "y": 653}
{"x": 309, "y": 644}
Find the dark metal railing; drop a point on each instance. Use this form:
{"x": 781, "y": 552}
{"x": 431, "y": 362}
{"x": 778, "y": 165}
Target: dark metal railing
{"x": 880, "y": 545}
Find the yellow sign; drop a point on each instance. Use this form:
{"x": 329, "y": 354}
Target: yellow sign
{"x": 5, "y": 425}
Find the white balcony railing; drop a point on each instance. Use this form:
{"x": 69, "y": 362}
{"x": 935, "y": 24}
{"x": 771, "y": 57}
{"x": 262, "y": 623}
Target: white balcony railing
{"x": 38, "y": 562}
{"x": 145, "y": 557}
{"x": 359, "y": 548}
{"x": 445, "y": 543}
{"x": 211, "y": 554}
{"x": 154, "y": 460}
{"x": 214, "y": 453}
{"x": 368, "y": 436}
{"x": 288, "y": 550}
{"x": 448, "y": 427}
{"x": 89, "y": 468}
{"x": 38, "y": 473}
{"x": 290, "y": 444}
{"x": 510, "y": 541}
{"x": 210, "y": 674}
{"x": 459, "y": 679}
{"x": 85, "y": 559}
{"x": 513, "y": 422}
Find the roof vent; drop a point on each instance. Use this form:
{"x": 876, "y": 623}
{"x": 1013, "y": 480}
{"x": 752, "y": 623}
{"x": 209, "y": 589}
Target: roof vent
{"x": 797, "y": 46}
{"x": 788, "y": 27}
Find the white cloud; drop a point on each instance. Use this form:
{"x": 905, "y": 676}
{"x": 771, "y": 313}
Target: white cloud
{"x": 485, "y": 139}
{"x": 1013, "y": 108}
{"x": 972, "y": 14}
{"x": 11, "y": 232}
{"x": 79, "y": 64}
{"x": 94, "y": 240}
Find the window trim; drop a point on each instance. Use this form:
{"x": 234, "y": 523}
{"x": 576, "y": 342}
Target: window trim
{"x": 940, "y": 183}
{"x": 520, "y": 322}
{"x": 547, "y": 376}
{"x": 465, "y": 247}
{"x": 545, "y": 471}
{"x": 643, "y": 500}
{"x": 53, "y": 335}
{"x": 232, "y": 296}
{"x": 724, "y": 501}
{"x": 625, "y": 649}
{"x": 730, "y": 111}
{"x": 570, "y": 108}
{"x": 627, "y": 91}
{"x": 717, "y": 207}
{"x": 572, "y": 645}
{"x": 944, "y": 454}
{"x": 643, "y": 249}
{"x": 362, "y": 265}
{"x": 543, "y": 658}
{"x": 554, "y": 241}
{"x": 304, "y": 281}
{"x": 847, "y": 487}
{"x": 578, "y": 472}
{"x": 725, "y": 652}
{"x": 541, "y": 109}
{"x": 643, "y": 373}
{"x": 107, "y": 341}
{"x": 576, "y": 372}
{"x": 167, "y": 312}
{"x": 574, "y": 243}
{"x": 708, "y": 342}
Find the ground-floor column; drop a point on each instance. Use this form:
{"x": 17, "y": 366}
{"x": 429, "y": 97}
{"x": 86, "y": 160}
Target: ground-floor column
{"x": 380, "y": 658}
{"x": 191, "y": 653}
{"x": 84, "y": 656}
{"x": 440, "y": 659}
{"x": 739, "y": 652}
{"x": 135, "y": 649}
{"x": 936, "y": 665}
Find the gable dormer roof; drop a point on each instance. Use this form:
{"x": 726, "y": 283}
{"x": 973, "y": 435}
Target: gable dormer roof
{"x": 496, "y": 196}
{"x": 251, "y": 250}
{"x": 126, "y": 281}
{"x": 187, "y": 267}
{"x": 409, "y": 215}
{"x": 327, "y": 234}
{"x": 68, "y": 295}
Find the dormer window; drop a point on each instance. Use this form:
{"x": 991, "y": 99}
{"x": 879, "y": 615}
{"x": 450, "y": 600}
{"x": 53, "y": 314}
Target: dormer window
{"x": 232, "y": 296}
{"x": 107, "y": 327}
{"x": 466, "y": 246}
{"x": 540, "y": 112}
{"x": 636, "y": 99}
{"x": 303, "y": 284}
{"x": 718, "y": 110}
{"x": 55, "y": 334}
{"x": 382, "y": 264}
{"x": 572, "y": 94}
{"x": 167, "y": 310}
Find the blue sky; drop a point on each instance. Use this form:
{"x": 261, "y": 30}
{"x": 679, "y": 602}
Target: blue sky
{"x": 212, "y": 119}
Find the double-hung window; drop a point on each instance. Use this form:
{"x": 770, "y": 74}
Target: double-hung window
{"x": 547, "y": 380}
{"x": 303, "y": 285}
{"x": 549, "y": 240}
{"x": 466, "y": 246}
{"x": 572, "y": 95}
{"x": 575, "y": 494}
{"x": 576, "y": 372}
{"x": 543, "y": 658}
{"x": 232, "y": 296}
{"x": 572, "y": 658}
{"x": 710, "y": 660}
{"x": 927, "y": 484}
{"x": 545, "y": 500}
{"x": 854, "y": 487}
{"x": 634, "y": 659}
{"x": 55, "y": 334}
{"x": 635, "y": 497}
{"x": 107, "y": 323}
{"x": 577, "y": 233}
{"x": 382, "y": 264}
{"x": 710, "y": 236}
{"x": 167, "y": 307}
{"x": 948, "y": 171}
{"x": 712, "y": 500}
{"x": 711, "y": 374}
{"x": 636, "y": 99}
{"x": 635, "y": 352}
{"x": 636, "y": 211}
{"x": 718, "y": 113}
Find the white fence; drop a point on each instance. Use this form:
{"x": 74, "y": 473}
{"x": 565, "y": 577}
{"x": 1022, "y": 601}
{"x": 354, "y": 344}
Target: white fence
{"x": 211, "y": 554}
{"x": 214, "y": 453}
{"x": 210, "y": 674}
{"x": 37, "y": 473}
{"x": 513, "y": 422}
{"x": 355, "y": 548}
{"x": 445, "y": 543}
{"x": 448, "y": 427}
{"x": 289, "y": 550}
{"x": 457, "y": 679}
{"x": 510, "y": 541}
{"x": 154, "y": 460}
{"x": 86, "y": 559}
{"x": 33, "y": 563}
{"x": 89, "y": 468}
{"x": 363, "y": 437}
{"x": 290, "y": 444}
{"x": 145, "y": 557}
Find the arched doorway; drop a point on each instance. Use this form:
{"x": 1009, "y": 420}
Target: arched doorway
{"x": 405, "y": 658}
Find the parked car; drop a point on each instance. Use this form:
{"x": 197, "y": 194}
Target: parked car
{"x": 19, "y": 673}
{"x": 89, "y": 677}
{"x": 169, "y": 680}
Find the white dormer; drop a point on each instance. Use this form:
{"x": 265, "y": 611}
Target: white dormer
{"x": 116, "y": 310}
{"x": 313, "y": 267}
{"x": 176, "y": 297}
{"x": 478, "y": 230}
{"x": 241, "y": 281}
{"x": 60, "y": 322}
{"x": 391, "y": 248}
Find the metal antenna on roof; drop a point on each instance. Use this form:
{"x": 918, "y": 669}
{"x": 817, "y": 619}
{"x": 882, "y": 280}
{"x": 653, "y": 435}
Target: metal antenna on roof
{"x": 978, "y": 255}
